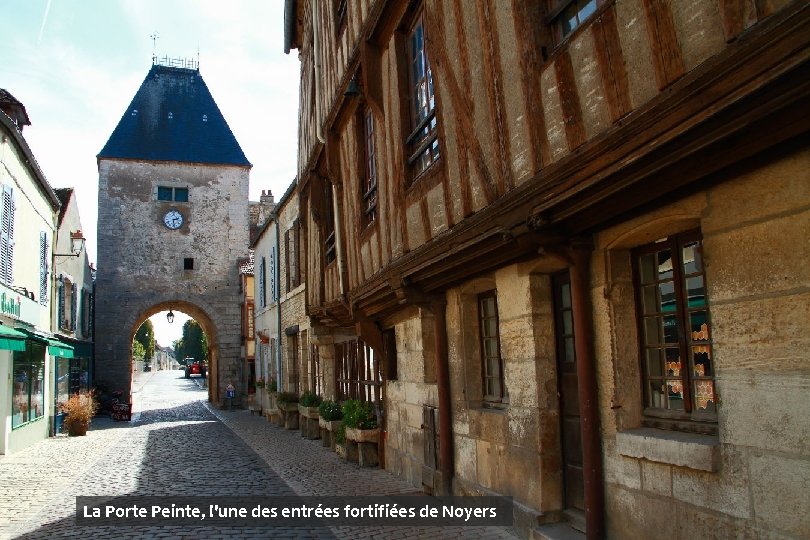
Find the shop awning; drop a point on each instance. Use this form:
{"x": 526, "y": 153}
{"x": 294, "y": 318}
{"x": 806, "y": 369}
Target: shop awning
{"x": 11, "y": 340}
{"x": 81, "y": 349}
{"x": 55, "y": 347}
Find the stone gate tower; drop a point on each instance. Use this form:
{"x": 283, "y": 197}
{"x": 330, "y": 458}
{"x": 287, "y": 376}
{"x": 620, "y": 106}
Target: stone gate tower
{"x": 172, "y": 222}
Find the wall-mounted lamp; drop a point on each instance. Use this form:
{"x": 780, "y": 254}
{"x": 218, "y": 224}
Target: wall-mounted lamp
{"x": 170, "y": 316}
{"x": 353, "y": 89}
{"x": 76, "y": 245}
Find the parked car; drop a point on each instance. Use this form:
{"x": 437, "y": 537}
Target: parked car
{"x": 194, "y": 367}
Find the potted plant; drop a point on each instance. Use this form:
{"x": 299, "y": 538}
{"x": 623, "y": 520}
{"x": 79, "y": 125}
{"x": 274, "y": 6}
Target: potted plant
{"x": 288, "y": 407}
{"x": 80, "y": 409}
{"x": 255, "y": 399}
{"x": 362, "y": 434}
{"x": 330, "y": 415}
{"x": 308, "y": 411}
{"x": 272, "y": 412}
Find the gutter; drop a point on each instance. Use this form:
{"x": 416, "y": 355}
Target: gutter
{"x": 316, "y": 62}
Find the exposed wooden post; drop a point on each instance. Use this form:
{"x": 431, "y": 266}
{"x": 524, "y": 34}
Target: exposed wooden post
{"x": 439, "y": 309}
{"x": 588, "y": 399}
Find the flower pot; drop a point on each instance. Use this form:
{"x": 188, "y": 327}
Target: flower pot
{"x": 77, "y": 429}
{"x": 367, "y": 443}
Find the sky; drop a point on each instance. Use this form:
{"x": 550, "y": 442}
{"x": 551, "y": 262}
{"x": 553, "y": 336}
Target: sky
{"x": 76, "y": 65}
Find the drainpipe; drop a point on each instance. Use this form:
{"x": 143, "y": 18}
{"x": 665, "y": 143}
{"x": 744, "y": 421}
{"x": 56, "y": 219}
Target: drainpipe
{"x": 439, "y": 308}
{"x": 579, "y": 272}
{"x": 317, "y": 65}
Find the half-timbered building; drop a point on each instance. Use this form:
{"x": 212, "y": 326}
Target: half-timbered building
{"x": 562, "y": 246}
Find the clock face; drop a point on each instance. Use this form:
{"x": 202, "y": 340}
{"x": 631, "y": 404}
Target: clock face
{"x": 173, "y": 219}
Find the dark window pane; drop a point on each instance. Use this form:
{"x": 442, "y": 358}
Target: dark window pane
{"x": 701, "y": 360}
{"x": 570, "y": 355}
{"x": 655, "y": 363}
{"x": 653, "y": 331}
{"x": 664, "y": 265}
{"x": 650, "y": 299}
{"x": 648, "y": 268}
{"x": 670, "y": 323}
{"x": 675, "y": 395}
{"x": 565, "y": 290}
{"x": 695, "y": 293}
{"x": 692, "y": 261}
{"x": 164, "y": 193}
{"x": 181, "y": 194}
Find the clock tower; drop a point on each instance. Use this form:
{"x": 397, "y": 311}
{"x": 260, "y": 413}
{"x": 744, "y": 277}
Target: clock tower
{"x": 172, "y": 222}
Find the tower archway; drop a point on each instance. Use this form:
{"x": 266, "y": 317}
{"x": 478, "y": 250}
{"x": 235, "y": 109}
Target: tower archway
{"x": 208, "y": 327}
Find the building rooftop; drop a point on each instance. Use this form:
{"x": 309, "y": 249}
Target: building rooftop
{"x": 173, "y": 117}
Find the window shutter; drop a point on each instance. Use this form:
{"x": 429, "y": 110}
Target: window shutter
{"x": 262, "y": 278}
{"x": 296, "y": 272}
{"x": 287, "y": 259}
{"x": 44, "y": 253}
{"x": 60, "y": 296}
{"x": 73, "y": 302}
{"x": 7, "y": 237}
{"x": 273, "y": 290}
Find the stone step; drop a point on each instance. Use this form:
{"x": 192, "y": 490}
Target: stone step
{"x": 556, "y": 531}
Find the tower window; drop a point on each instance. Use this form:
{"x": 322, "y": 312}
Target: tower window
{"x": 176, "y": 194}
{"x": 188, "y": 263}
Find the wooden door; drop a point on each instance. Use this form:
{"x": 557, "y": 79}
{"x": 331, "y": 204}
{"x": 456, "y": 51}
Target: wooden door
{"x": 570, "y": 431}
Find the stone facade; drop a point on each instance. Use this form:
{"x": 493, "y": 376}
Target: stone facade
{"x": 141, "y": 261}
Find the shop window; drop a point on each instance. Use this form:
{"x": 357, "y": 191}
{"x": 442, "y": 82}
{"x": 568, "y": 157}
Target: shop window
{"x": 675, "y": 333}
{"x": 491, "y": 362}
{"x": 28, "y": 395}
{"x": 422, "y": 142}
{"x": 565, "y": 16}
{"x": 174, "y": 194}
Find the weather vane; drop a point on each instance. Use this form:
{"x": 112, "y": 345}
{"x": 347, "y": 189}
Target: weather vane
{"x": 154, "y": 37}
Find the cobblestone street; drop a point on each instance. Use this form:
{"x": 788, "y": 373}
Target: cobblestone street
{"x": 178, "y": 446}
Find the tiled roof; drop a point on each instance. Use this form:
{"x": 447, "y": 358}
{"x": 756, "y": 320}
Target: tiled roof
{"x": 173, "y": 117}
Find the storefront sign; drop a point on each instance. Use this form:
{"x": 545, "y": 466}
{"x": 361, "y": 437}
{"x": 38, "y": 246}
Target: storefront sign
{"x": 18, "y": 306}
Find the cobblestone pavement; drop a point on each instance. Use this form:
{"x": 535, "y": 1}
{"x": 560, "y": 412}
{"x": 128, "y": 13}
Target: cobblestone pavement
{"x": 179, "y": 446}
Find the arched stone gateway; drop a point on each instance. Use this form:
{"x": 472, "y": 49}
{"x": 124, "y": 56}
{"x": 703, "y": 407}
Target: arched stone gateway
{"x": 172, "y": 224}
{"x": 209, "y": 327}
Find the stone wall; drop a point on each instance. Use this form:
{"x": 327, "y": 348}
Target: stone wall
{"x": 758, "y": 287}
{"x": 141, "y": 261}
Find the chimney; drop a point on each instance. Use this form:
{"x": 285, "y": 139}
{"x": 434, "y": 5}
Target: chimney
{"x": 267, "y": 198}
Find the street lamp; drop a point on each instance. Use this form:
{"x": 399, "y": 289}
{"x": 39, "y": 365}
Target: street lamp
{"x": 76, "y": 245}
{"x": 170, "y": 316}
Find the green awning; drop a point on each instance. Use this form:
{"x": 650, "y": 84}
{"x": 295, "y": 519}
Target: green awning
{"x": 55, "y": 347}
{"x": 59, "y": 349}
{"x": 81, "y": 349}
{"x": 11, "y": 340}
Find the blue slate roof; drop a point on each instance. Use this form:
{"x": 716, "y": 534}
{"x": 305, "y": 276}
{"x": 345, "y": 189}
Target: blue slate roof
{"x": 173, "y": 117}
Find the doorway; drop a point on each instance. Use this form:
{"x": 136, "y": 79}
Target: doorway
{"x": 570, "y": 429}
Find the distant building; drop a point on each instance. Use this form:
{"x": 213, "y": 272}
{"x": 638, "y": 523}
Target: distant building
{"x": 73, "y": 304}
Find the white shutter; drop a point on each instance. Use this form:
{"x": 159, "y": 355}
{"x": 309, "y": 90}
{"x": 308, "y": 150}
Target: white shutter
{"x": 44, "y": 256}
{"x": 7, "y": 237}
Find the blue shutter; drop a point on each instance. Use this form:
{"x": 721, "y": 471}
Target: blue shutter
{"x": 44, "y": 256}
{"x": 60, "y": 296}
{"x": 262, "y": 297}
{"x": 73, "y": 302}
